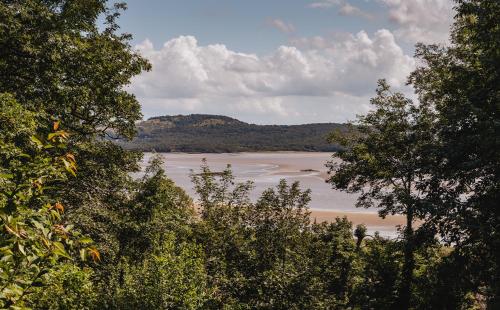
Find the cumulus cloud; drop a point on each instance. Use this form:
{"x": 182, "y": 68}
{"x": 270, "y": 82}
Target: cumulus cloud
{"x": 304, "y": 82}
{"x": 426, "y": 21}
{"x": 281, "y": 25}
{"x": 344, "y": 8}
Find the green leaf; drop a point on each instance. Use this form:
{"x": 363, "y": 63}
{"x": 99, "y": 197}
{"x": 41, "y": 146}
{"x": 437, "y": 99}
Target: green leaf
{"x": 85, "y": 240}
{"x": 37, "y": 141}
{"x": 6, "y": 175}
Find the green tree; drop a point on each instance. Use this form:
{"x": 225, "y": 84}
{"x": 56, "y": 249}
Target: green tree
{"x": 34, "y": 239}
{"x": 379, "y": 275}
{"x": 65, "y": 287}
{"x": 152, "y": 248}
{"x": 223, "y": 233}
{"x": 334, "y": 265}
{"x": 384, "y": 160}
{"x": 461, "y": 83}
{"x": 56, "y": 58}
{"x": 67, "y": 61}
{"x": 266, "y": 254}
{"x": 171, "y": 277}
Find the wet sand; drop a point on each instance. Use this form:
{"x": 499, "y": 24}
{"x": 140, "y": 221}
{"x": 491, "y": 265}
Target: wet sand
{"x": 266, "y": 169}
{"x": 369, "y": 219}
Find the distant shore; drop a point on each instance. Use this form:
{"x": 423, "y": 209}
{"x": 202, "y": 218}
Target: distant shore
{"x": 369, "y": 219}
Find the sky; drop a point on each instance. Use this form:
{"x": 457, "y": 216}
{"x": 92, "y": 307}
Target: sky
{"x": 277, "y": 61}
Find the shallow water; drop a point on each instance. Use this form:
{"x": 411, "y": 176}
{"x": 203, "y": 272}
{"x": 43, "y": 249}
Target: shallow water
{"x": 265, "y": 170}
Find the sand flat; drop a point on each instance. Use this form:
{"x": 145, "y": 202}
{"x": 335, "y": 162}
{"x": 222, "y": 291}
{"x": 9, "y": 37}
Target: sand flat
{"x": 369, "y": 219}
{"x": 266, "y": 169}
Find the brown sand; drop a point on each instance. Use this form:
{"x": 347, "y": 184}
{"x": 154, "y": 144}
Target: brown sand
{"x": 369, "y": 219}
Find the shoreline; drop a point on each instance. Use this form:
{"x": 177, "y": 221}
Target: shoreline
{"x": 231, "y": 153}
{"x": 306, "y": 167}
{"x": 369, "y": 219}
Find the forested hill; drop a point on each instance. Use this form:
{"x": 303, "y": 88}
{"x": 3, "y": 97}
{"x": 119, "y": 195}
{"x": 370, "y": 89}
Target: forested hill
{"x": 214, "y": 133}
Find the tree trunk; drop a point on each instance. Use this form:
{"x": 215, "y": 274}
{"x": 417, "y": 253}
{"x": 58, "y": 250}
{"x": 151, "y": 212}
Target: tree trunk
{"x": 409, "y": 263}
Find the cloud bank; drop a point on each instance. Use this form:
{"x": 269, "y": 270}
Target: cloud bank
{"x": 310, "y": 79}
{"x": 305, "y": 82}
{"x": 426, "y": 21}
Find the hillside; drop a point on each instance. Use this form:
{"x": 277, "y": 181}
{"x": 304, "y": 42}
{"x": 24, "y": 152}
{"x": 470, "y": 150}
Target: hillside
{"x": 215, "y": 134}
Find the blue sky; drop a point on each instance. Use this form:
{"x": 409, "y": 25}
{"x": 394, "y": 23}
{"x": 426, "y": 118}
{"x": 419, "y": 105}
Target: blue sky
{"x": 277, "y": 61}
{"x": 241, "y": 25}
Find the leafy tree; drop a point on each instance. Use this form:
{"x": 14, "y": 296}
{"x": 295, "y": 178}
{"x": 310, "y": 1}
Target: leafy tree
{"x": 172, "y": 277}
{"x": 34, "y": 239}
{"x": 153, "y": 249}
{"x": 267, "y": 254}
{"x": 66, "y": 287}
{"x": 223, "y": 233}
{"x": 384, "y": 160}
{"x": 334, "y": 264}
{"x": 56, "y": 58}
{"x": 379, "y": 274}
{"x": 461, "y": 83}
{"x": 61, "y": 62}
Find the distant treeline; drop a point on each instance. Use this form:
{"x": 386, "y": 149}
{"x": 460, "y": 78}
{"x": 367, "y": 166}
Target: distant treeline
{"x": 199, "y": 133}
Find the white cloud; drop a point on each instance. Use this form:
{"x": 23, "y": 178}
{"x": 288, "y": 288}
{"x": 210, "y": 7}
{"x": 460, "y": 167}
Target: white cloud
{"x": 325, "y": 4}
{"x": 281, "y": 25}
{"x": 344, "y": 8}
{"x": 426, "y": 21}
{"x": 350, "y": 10}
{"x": 309, "y": 82}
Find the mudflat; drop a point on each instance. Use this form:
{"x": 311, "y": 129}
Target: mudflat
{"x": 266, "y": 169}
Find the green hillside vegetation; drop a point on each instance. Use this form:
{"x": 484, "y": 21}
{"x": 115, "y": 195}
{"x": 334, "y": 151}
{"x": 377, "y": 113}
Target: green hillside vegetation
{"x": 200, "y": 133}
{"x": 77, "y": 231}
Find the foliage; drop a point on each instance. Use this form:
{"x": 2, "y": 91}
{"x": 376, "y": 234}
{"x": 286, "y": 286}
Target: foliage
{"x": 155, "y": 263}
{"x": 71, "y": 285}
{"x": 34, "y": 238}
{"x": 385, "y": 160}
{"x": 55, "y": 58}
{"x": 62, "y": 64}
{"x": 252, "y": 249}
{"x": 267, "y": 254}
{"x": 461, "y": 83}
{"x": 173, "y": 277}
{"x": 63, "y": 71}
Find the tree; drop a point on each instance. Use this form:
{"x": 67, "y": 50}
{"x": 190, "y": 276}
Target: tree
{"x": 171, "y": 277}
{"x": 61, "y": 62}
{"x": 34, "y": 239}
{"x": 255, "y": 252}
{"x": 55, "y": 58}
{"x": 65, "y": 287}
{"x": 384, "y": 160}
{"x": 66, "y": 61}
{"x": 334, "y": 264}
{"x": 150, "y": 237}
{"x": 461, "y": 83}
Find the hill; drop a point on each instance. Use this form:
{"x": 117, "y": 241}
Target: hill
{"x": 216, "y": 134}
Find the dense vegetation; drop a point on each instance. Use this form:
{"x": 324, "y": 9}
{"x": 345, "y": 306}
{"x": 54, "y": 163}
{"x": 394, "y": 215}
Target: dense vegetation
{"x": 200, "y": 133}
{"x": 78, "y": 232}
